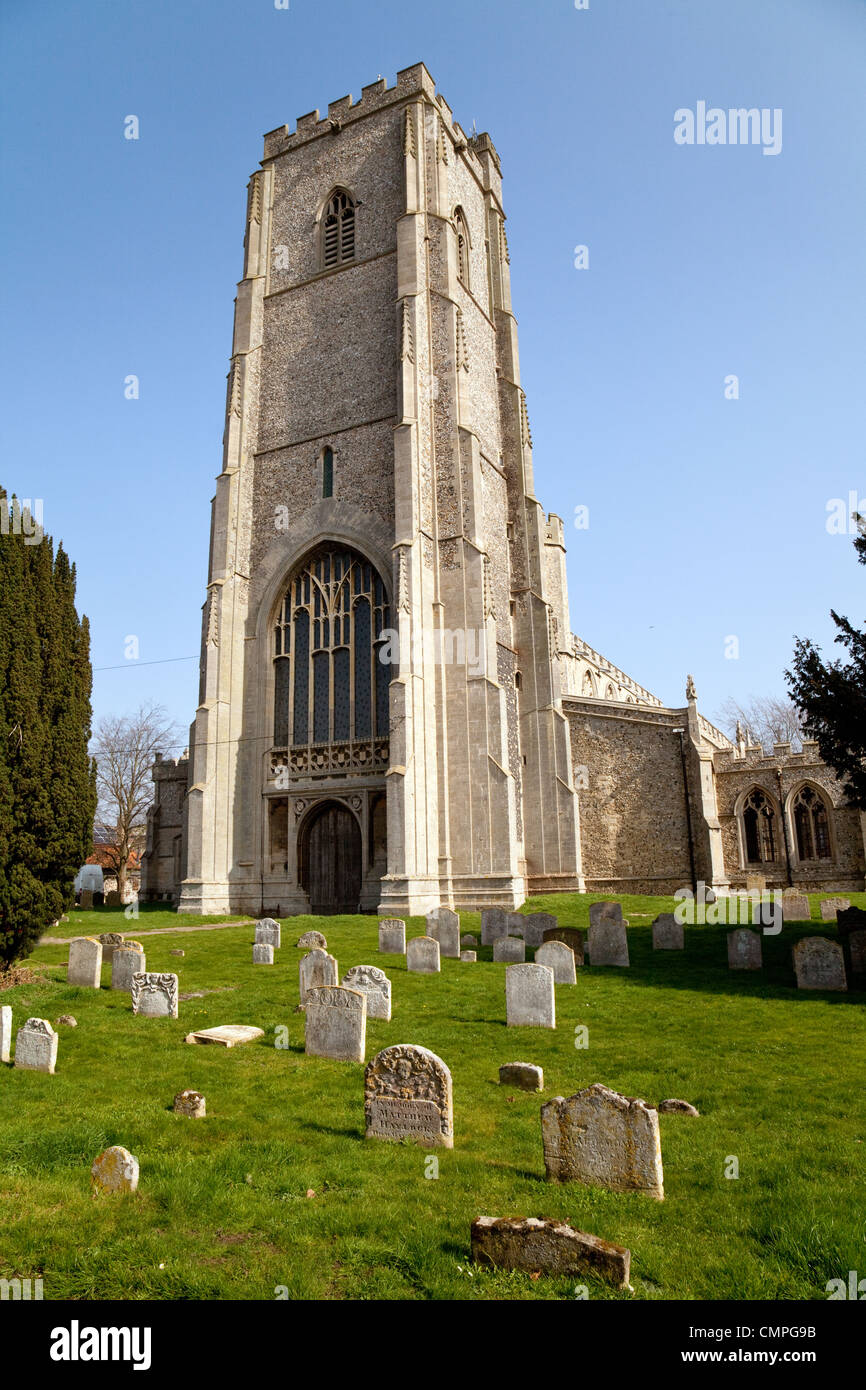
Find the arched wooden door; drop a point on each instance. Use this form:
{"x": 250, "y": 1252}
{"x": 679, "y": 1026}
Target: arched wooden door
{"x": 331, "y": 860}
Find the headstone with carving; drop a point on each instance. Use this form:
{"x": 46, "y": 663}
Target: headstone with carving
{"x": 336, "y": 1023}
{"x": 268, "y": 933}
{"x": 190, "y": 1103}
{"x": 263, "y": 953}
{"x": 85, "y": 962}
{"x": 603, "y": 1139}
{"x": 373, "y": 982}
{"x": 819, "y": 964}
{"x": 316, "y": 970}
{"x": 529, "y": 997}
{"x": 744, "y": 949}
{"x": 154, "y": 994}
{"x": 36, "y": 1046}
{"x": 392, "y": 936}
{"x": 407, "y": 1095}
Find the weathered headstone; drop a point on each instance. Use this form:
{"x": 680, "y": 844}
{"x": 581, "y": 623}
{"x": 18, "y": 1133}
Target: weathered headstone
{"x": 603, "y": 1139}
{"x": 445, "y": 928}
{"x": 849, "y": 920}
{"x": 795, "y": 907}
{"x": 668, "y": 934}
{"x": 315, "y": 970}
{"x": 36, "y": 1046}
{"x": 535, "y": 924}
{"x": 551, "y": 1247}
{"x": 494, "y": 923}
{"x": 530, "y": 1001}
{"x": 469, "y": 956}
{"x": 66, "y": 1021}
{"x": 85, "y": 962}
{"x": 571, "y": 936}
{"x": 392, "y": 936}
{"x": 226, "y": 1035}
{"x": 523, "y": 1075}
{"x": 110, "y": 941}
{"x": 128, "y": 960}
{"x": 336, "y": 1023}
{"x": 5, "y": 1032}
{"x": 676, "y": 1107}
{"x": 857, "y": 953}
{"x": 312, "y": 940}
{"x": 407, "y": 1095}
{"x": 509, "y": 948}
{"x": 468, "y": 940}
{"x": 422, "y": 956}
{"x": 268, "y": 933}
{"x": 604, "y": 912}
{"x": 744, "y": 949}
{"x": 830, "y": 906}
{"x": 86, "y": 902}
{"x": 608, "y": 943}
{"x": 115, "y": 1170}
{"x": 177, "y": 953}
{"x": 373, "y": 982}
{"x": 819, "y": 964}
{"x": 113, "y": 898}
{"x": 515, "y": 925}
{"x": 263, "y": 953}
{"x": 154, "y": 994}
{"x": 190, "y": 1103}
{"x": 560, "y": 958}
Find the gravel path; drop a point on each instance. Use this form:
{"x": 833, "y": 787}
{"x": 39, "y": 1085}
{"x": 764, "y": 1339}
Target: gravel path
{"x": 154, "y": 931}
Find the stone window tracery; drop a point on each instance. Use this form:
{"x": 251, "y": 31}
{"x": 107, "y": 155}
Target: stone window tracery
{"x": 759, "y": 829}
{"x": 811, "y": 825}
{"x": 338, "y": 230}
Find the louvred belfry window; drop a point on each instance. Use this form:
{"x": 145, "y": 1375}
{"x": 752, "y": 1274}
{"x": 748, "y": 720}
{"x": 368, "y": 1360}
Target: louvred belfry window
{"x": 338, "y": 234}
{"x": 329, "y": 684}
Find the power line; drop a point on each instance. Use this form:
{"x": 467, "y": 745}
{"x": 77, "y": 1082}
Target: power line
{"x": 127, "y": 665}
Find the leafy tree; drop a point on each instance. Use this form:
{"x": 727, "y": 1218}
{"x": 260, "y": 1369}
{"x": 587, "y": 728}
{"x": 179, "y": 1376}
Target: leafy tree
{"x": 47, "y": 781}
{"x": 831, "y": 696}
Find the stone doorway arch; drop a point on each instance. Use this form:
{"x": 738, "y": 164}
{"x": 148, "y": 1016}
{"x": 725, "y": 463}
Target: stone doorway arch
{"x": 330, "y": 859}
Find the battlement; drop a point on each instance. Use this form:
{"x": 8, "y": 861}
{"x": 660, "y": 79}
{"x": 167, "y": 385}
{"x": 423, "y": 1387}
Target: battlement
{"x": 412, "y": 81}
{"x": 753, "y": 755}
{"x": 555, "y": 534}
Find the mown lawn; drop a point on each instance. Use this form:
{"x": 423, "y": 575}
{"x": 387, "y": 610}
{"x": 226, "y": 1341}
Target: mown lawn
{"x": 222, "y": 1210}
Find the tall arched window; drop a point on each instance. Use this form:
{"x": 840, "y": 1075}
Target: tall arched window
{"x": 811, "y": 825}
{"x": 329, "y": 684}
{"x": 338, "y": 230}
{"x": 759, "y": 832}
{"x": 462, "y": 247}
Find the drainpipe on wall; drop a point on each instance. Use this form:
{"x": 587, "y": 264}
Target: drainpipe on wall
{"x": 785, "y": 829}
{"x": 682, "y": 733}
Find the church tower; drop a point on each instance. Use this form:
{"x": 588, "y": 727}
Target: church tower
{"x": 386, "y": 631}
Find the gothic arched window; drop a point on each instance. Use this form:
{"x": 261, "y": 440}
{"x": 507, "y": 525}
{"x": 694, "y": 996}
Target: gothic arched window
{"x": 811, "y": 825}
{"x": 338, "y": 230}
{"x": 588, "y": 684}
{"x": 329, "y": 684}
{"x": 462, "y": 248}
{"x": 759, "y": 832}
{"x": 327, "y": 472}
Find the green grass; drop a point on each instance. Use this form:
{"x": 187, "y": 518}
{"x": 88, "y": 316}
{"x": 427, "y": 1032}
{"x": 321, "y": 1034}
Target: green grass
{"x": 222, "y": 1210}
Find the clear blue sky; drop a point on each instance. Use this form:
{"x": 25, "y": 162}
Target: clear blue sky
{"x": 707, "y": 516}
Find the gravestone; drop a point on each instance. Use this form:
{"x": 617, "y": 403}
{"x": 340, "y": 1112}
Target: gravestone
{"x": 515, "y": 925}
{"x": 226, "y": 1035}
{"x": 603, "y": 1139}
{"x": 407, "y": 1095}
{"x": 468, "y": 940}
{"x": 819, "y": 964}
{"x": 268, "y": 933}
{"x": 510, "y": 948}
{"x": 604, "y": 912}
{"x": 177, "y": 953}
{"x": 676, "y": 1107}
{"x": 312, "y": 940}
{"x": 315, "y": 971}
{"x": 116, "y": 1170}
{"x": 5, "y": 1032}
{"x": 857, "y": 953}
{"x": 190, "y": 1103}
{"x": 110, "y": 941}
{"x": 795, "y": 907}
{"x": 830, "y": 906}
{"x": 755, "y": 883}
{"x": 113, "y": 898}
{"x": 392, "y": 936}
{"x": 523, "y": 1075}
{"x": 494, "y": 923}
{"x": 154, "y": 994}
{"x": 66, "y": 1021}
{"x": 85, "y": 962}
{"x": 608, "y": 943}
{"x": 422, "y": 956}
{"x": 535, "y": 924}
{"x": 560, "y": 958}
{"x": 263, "y": 953}
{"x": 571, "y": 936}
{"x": 336, "y": 1023}
{"x": 128, "y": 960}
{"x": 373, "y": 982}
{"x": 445, "y": 928}
{"x": 668, "y": 934}
{"x": 86, "y": 902}
{"x": 529, "y": 997}
{"x": 469, "y": 956}
{"x": 849, "y": 920}
{"x": 744, "y": 949}
{"x": 550, "y": 1247}
{"x": 36, "y": 1046}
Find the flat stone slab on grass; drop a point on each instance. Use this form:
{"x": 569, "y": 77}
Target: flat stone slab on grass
{"x": 819, "y": 964}
{"x": 603, "y": 1139}
{"x": 549, "y": 1246}
{"x": 407, "y": 1095}
{"x": 523, "y": 1075}
{"x": 226, "y": 1035}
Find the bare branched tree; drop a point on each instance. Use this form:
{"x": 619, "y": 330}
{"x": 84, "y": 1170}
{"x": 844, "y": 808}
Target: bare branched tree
{"x": 125, "y": 747}
{"x": 765, "y": 719}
